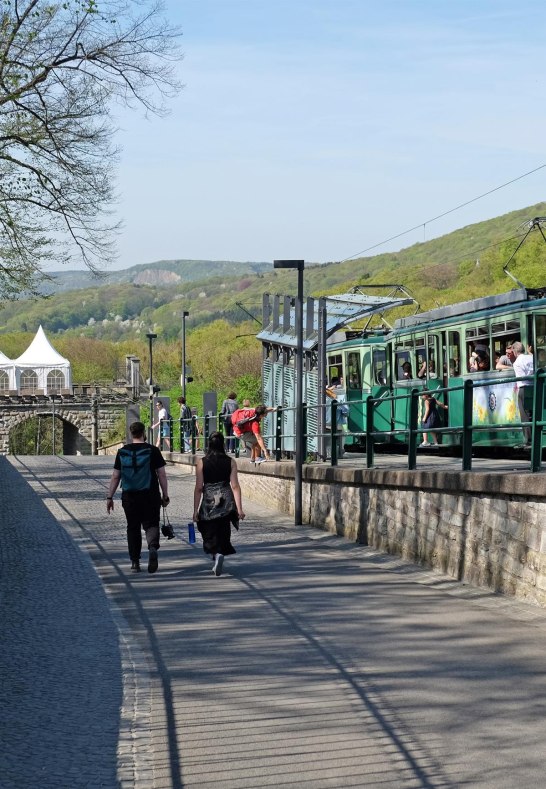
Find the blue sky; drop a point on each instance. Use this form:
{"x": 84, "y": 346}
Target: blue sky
{"x": 316, "y": 129}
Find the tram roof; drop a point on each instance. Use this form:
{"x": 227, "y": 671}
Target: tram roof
{"x": 467, "y": 308}
{"x": 341, "y": 309}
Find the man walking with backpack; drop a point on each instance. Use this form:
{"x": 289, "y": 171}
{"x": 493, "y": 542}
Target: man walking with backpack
{"x": 140, "y": 468}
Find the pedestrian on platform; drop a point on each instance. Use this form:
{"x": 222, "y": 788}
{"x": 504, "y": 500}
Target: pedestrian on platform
{"x": 164, "y": 425}
{"x": 229, "y": 406}
{"x": 217, "y": 501}
{"x": 140, "y": 467}
{"x": 524, "y": 365}
{"x": 185, "y": 424}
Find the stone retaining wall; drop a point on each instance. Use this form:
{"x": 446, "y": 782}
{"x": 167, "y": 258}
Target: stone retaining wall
{"x": 488, "y": 530}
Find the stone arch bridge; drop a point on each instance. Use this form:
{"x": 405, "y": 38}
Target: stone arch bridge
{"x": 83, "y": 418}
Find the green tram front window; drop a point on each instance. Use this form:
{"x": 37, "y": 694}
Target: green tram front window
{"x": 335, "y": 368}
{"x": 380, "y": 366}
{"x": 354, "y": 377}
{"x": 454, "y": 354}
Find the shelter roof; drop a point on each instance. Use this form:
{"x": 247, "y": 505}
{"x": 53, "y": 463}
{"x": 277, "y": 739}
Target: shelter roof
{"x": 40, "y": 352}
{"x": 341, "y": 310}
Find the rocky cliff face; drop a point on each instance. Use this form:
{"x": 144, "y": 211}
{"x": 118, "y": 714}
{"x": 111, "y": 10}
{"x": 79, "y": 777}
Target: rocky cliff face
{"x": 156, "y": 276}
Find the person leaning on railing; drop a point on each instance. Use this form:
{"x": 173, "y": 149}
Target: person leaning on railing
{"x": 249, "y": 432}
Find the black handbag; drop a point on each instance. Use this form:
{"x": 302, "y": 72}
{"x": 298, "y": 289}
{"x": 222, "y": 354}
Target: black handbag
{"x": 166, "y": 528}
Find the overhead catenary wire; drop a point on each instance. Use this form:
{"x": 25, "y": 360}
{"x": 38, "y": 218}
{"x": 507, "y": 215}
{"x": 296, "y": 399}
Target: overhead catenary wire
{"x": 444, "y": 213}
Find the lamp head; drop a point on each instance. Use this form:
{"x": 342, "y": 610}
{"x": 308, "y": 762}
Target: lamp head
{"x": 295, "y": 264}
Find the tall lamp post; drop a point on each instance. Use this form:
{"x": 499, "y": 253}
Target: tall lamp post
{"x": 183, "y": 376}
{"x": 299, "y": 265}
{"x": 151, "y": 337}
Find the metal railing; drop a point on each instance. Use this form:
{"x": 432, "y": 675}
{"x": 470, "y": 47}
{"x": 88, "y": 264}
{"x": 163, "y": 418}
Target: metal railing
{"x": 191, "y": 435}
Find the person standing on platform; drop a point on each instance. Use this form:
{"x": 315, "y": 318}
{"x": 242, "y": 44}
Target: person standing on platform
{"x": 229, "y": 406}
{"x": 217, "y": 501}
{"x": 140, "y": 467}
{"x": 164, "y": 425}
{"x": 524, "y": 365}
{"x": 185, "y": 423}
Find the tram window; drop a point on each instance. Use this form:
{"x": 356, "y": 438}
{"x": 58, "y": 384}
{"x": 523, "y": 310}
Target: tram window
{"x": 454, "y": 354}
{"x": 335, "y": 367}
{"x": 432, "y": 369}
{"x": 380, "y": 366}
{"x": 540, "y": 340}
{"x": 512, "y": 326}
{"x": 403, "y": 366}
{"x": 477, "y": 350}
{"x": 421, "y": 358}
{"x": 354, "y": 379}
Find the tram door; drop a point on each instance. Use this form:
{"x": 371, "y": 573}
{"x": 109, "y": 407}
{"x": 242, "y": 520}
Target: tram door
{"x": 367, "y": 374}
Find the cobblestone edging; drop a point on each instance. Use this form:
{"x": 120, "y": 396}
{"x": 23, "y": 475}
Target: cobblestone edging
{"x": 484, "y": 529}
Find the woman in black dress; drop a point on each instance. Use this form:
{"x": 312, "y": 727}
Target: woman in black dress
{"x": 217, "y": 501}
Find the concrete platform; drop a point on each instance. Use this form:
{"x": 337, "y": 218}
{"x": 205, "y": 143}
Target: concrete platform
{"x": 312, "y": 662}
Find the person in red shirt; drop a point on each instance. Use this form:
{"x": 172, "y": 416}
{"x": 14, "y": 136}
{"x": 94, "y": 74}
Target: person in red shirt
{"x": 249, "y": 433}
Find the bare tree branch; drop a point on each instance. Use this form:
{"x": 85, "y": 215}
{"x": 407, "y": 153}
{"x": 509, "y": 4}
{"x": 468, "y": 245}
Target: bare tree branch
{"x": 62, "y": 65}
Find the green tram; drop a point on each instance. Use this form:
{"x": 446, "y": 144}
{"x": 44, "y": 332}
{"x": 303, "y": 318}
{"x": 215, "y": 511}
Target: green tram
{"x": 433, "y": 350}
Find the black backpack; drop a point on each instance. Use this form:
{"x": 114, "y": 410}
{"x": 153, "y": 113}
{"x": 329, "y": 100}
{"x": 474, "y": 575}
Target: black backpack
{"x": 136, "y": 468}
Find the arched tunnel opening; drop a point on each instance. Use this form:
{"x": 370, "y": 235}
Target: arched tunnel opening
{"x": 45, "y": 434}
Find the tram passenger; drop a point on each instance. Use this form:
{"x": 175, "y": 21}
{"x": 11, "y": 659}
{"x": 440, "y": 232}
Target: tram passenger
{"x": 453, "y": 368}
{"x": 342, "y": 414}
{"x": 482, "y": 359}
{"x": 524, "y": 365}
{"x": 431, "y": 419}
{"x": 478, "y": 362}
{"x": 406, "y": 370}
{"x": 541, "y": 357}
{"x": 425, "y": 372}
{"x": 504, "y": 361}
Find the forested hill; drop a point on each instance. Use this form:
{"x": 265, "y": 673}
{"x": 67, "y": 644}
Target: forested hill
{"x": 461, "y": 265}
{"x": 162, "y": 273}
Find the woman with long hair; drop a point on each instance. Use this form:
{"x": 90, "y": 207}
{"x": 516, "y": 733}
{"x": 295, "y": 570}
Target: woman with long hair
{"x": 217, "y": 501}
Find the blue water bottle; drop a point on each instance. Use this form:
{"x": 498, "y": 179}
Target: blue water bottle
{"x": 191, "y": 533}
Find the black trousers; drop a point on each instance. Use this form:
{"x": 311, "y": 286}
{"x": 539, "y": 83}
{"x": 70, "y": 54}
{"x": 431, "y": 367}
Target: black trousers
{"x": 525, "y": 403}
{"x": 142, "y": 511}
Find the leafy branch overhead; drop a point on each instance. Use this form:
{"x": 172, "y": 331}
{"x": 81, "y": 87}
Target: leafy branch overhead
{"x": 62, "y": 66}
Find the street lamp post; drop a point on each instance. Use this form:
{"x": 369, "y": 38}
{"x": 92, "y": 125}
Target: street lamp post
{"x": 151, "y": 337}
{"x": 53, "y": 423}
{"x": 299, "y": 265}
{"x": 183, "y": 376}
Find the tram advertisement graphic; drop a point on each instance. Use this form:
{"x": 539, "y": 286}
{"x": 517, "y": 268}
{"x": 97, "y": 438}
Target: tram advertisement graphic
{"x": 495, "y": 404}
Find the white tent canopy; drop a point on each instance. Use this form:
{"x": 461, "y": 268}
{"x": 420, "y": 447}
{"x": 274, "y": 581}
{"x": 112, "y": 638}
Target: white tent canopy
{"x": 39, "y": 370}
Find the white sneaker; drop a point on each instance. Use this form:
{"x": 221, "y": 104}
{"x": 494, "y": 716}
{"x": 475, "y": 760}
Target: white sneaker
{"x": 425, "y": 444}
{"x": 218, "y": 564}
{"x": 259, "y": 460}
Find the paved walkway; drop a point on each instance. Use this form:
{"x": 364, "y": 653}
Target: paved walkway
{"x": 311, "y": 662}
